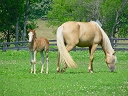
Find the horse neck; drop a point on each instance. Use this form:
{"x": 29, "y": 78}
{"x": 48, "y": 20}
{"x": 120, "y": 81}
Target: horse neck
{"x": 106, "y": 45}
{"x": 31, "y": 45}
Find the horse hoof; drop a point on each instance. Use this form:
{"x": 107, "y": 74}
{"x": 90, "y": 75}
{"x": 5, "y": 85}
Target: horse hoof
{"x": 62, "y": 70}
{"x": 58, "y": 70}
{"x": 90, "y": 71}
{"x": 41, "y": 72}
{"x": 46, "y": 72}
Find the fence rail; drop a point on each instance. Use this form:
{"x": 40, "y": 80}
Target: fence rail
{"x": 117, "y": 44}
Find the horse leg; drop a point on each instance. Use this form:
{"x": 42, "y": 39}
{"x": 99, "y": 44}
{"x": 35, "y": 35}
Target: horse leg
{"x": 69, "y": 48}
{"x": 34, "y": 62}
{"x": 42, "y": 57}
{"x": 31, "y": 60}
{"x": 58, "y": 63}
{"x": 91, "y": 51}
{"x": 46, "y": 62}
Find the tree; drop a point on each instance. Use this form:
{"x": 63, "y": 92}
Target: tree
{"x": 13, "y": 18}
{"x": 39, "y": 8}
{"x": 9, "y": 12}
{"x": 76, "y": 10}
{"x": 115, "y": 16}
{"x": 59, "y": 12}
{"x": 112, "y": 14}
{"x": 34, "y": 9}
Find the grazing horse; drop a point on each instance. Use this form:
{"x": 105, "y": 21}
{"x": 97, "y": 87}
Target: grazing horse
{"x": 37, "y": 45}
{"x": 83, "y": 34}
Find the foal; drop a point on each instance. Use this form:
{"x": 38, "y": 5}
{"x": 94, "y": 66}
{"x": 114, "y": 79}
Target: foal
{"x": 37, "y": 45}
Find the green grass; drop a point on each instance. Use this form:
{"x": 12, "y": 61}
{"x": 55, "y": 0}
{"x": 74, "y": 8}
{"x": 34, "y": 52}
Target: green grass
{"x": 16, "y": 79}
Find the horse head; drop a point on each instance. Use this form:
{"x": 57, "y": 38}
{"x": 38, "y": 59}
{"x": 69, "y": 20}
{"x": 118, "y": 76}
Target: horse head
{"x": 32, "y": 35}
{"x": 111, "y": 61}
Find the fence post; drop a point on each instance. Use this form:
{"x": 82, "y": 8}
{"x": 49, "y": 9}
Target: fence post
{"x": 4, "y": 47}
{"x": 74, "y": 49}
{"x": 17, "y": 47}
{"x": 112, "y": 42}
{"x": 16, "y": 44}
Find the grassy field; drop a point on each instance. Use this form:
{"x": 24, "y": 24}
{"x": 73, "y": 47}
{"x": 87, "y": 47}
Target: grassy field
{"x": 16, "y": 79}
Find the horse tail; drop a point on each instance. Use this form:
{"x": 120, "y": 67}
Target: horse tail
{"x": 65, "y": 57}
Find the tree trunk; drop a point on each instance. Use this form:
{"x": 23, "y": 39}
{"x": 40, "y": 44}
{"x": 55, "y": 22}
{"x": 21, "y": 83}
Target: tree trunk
{"x": 8, "y": 35}
{"x": 25, "y": 20}
{"x": 17, "y": 32}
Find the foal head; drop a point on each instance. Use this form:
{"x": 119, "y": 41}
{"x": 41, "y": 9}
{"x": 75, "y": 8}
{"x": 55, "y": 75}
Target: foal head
{"x": 111, "y": 61}
{"x": 32, "y": 35}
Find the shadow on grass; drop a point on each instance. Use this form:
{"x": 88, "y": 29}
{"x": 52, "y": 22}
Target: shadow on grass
{"x": 83, "y": 72}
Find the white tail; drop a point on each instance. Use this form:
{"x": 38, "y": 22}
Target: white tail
{"x": 65, "y": 57}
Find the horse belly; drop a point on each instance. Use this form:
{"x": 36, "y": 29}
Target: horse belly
{"x": 84, "y": 44}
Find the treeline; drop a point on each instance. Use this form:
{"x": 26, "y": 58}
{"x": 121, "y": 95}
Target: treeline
{"x": 113, "y": 14}
{"x": 17, "y": 15}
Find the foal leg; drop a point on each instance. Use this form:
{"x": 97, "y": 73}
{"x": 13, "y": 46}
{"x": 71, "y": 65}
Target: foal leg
{"x": 91, "y": 51}
{"x": 46, "y": 62}
{"x": 34, "y": 62}
{"x": 31, "y": 60}
{"x": 42, "y": 57}
{"x": 69, "y": 48}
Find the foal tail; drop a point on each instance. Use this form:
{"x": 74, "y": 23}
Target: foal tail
{"x": 65, "y": 57}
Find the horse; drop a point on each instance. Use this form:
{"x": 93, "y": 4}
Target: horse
{"x": 37, "y": 45}
{"x": 83, "y": 34}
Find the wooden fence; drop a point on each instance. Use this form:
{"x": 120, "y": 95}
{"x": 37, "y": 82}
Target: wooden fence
{"x": 117, "y": 44}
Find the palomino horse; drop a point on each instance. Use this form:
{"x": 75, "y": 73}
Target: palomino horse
{"x": 37, "y": 45}
{"x": 83, "y": 34}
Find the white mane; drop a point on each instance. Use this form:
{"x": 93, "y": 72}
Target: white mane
{"x": 106, "y": 42}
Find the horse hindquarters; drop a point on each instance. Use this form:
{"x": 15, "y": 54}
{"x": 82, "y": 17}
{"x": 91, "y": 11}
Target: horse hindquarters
{"x": 63, "y": 56}
{"x": 44, "y": 47}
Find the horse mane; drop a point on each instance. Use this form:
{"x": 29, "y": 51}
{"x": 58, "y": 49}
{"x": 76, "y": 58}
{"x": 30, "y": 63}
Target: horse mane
{"x": 34, "y": 34}
{"x": 106, "y": 44}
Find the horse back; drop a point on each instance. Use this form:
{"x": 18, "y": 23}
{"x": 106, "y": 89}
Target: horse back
{"x": 41, "y": 44}
{"x": 71, "y": 32}
{"x": 81, "y": 33}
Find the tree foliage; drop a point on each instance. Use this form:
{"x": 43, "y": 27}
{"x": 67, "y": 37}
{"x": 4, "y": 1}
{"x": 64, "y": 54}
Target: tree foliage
{"x": 112, "y": 14}
{"x": 39, "y": 8}
{"x": 115, "y": 17}
{"x": 9, "y": 12}
{"x": 63, "y": 10}
{"x": 15, "y": 14}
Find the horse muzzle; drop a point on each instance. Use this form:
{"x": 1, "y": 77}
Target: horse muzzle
{"x": 29, "y": 41}
{"x": 112, "y": 67}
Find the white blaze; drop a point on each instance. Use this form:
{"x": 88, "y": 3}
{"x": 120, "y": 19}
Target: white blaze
{"x": 30, "y": 36}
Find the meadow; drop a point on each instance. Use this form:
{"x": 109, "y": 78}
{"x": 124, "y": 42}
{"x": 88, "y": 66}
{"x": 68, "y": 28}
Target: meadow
{"x": 16, "y": 79}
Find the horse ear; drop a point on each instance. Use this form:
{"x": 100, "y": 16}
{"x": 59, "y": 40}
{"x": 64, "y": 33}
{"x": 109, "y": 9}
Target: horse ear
{"x": 34, "y": 30}
{"x": 28, "y": 29}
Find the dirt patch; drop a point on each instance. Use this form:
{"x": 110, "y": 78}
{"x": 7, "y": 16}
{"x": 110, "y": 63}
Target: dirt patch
{"x": 44, "y": 31}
